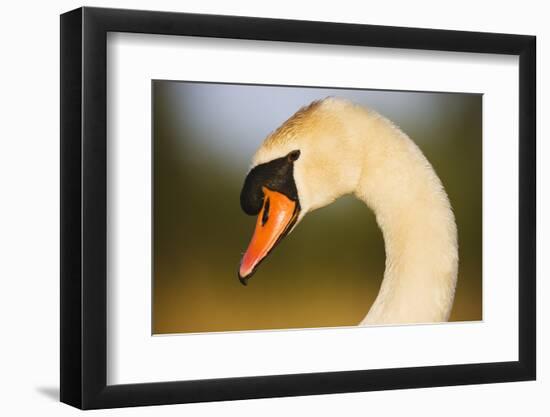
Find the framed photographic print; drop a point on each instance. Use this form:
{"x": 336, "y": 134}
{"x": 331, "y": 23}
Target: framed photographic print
{"x": 257, "y": 208}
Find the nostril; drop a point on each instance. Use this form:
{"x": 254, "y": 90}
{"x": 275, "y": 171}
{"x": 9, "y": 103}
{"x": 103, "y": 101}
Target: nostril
{"x": 265, "y": 215}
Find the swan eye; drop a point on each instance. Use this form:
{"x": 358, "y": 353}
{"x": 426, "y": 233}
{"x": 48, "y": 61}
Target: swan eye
{"x": 294, "y": 155}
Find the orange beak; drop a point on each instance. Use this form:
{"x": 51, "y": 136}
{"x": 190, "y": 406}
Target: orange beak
{"x": 276, "y": 218}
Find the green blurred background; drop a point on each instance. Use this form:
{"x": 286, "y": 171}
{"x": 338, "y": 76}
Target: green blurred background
{"x": 329, "y": 270}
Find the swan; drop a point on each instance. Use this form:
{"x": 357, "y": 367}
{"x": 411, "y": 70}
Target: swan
{"x": 334, "y": 147}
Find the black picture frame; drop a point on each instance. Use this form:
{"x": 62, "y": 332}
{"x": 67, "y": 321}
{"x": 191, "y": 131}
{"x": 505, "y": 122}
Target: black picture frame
{"x": 84, "y": 197}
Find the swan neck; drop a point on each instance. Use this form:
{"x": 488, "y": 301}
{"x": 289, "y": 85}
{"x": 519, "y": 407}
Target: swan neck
{"x": 413, "y": 211}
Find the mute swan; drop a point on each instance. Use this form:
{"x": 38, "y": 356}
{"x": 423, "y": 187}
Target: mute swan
{"x": 334, "y": 147}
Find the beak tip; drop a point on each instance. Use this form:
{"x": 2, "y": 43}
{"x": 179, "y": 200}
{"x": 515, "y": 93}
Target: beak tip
{"x": 244, "y": 274}
{"x": 244, "y": 280}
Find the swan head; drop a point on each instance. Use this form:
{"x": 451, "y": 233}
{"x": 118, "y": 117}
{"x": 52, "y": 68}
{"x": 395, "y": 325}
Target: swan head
{"x": 307, "y": 163}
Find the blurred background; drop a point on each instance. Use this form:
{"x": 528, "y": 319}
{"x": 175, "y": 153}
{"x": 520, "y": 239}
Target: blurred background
{"x": 328, "y": 271}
